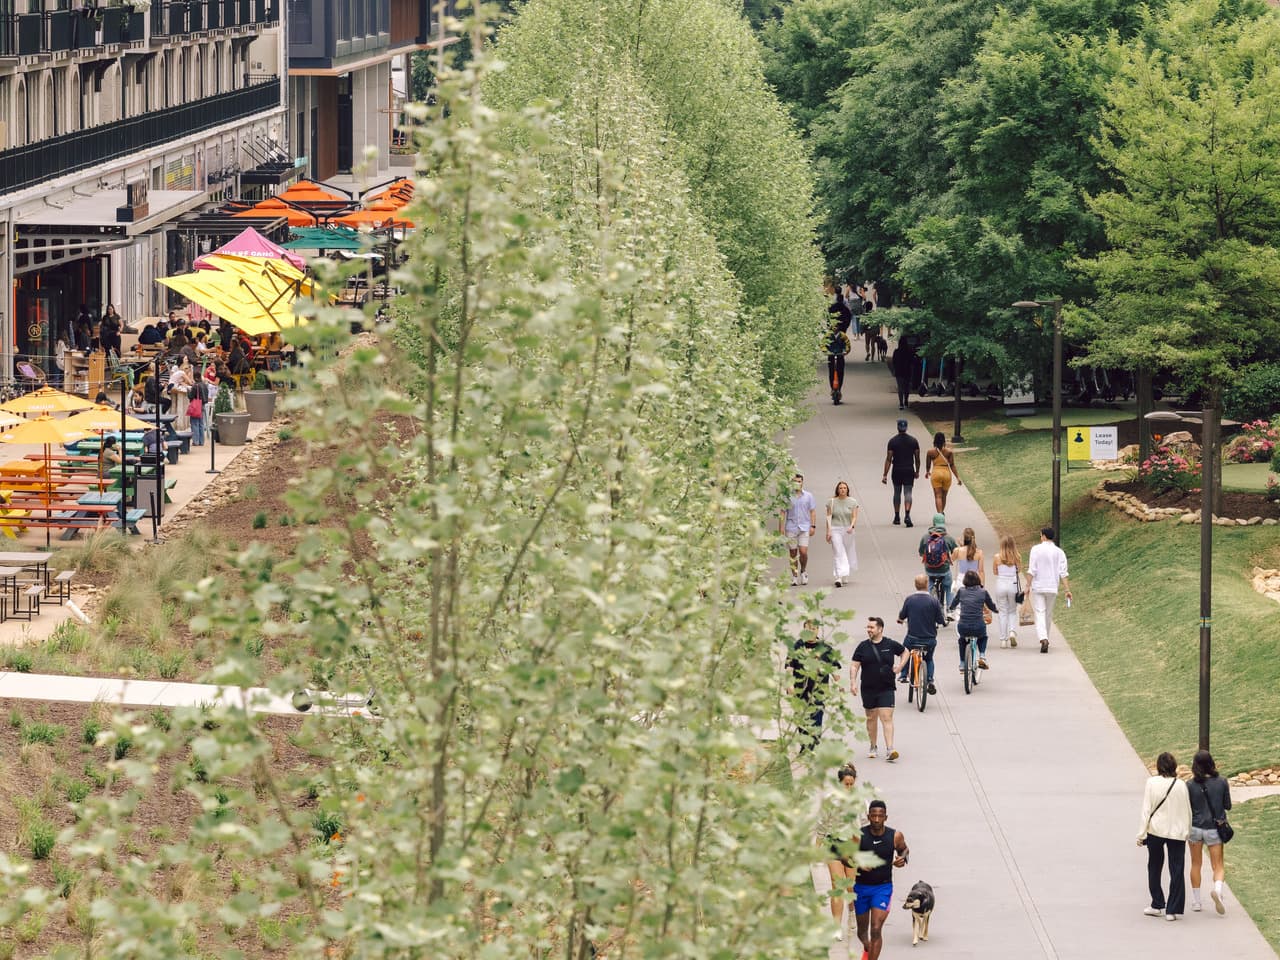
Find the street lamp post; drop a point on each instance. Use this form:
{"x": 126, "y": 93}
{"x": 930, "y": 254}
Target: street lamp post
{"x": 1208, "y": 421}
{"x": 1056, "y": 303}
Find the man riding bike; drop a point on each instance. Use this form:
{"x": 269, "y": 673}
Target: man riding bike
{"x": 922, "y": 614}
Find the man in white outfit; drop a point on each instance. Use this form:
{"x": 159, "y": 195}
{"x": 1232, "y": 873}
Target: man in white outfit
{"x": 1046, "y": 565}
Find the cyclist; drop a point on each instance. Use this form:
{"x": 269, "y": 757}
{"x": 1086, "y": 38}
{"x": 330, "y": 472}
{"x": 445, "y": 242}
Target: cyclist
{"x": 922, "y": 615}
{"x": 938, "y": 552}
{"x": 972, "y": 598}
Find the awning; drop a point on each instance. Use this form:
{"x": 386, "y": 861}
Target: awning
{"x": 98, "y": 212}
{"x": 318, "y": 238}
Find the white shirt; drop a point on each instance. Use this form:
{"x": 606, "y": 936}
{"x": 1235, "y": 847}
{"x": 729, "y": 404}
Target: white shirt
{"x": 1046, "y": 565}
{"x": 1173, "y": 820}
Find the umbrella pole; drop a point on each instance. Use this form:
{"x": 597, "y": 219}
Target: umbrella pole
{"x": 124, "y": 455}
{"x": 48, "y": 495}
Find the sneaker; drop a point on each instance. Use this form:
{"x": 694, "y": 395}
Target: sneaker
{"x": 865, "y": 955}
{"x": 1044, "y": 646}
{"x": 871, "y": 754}
{"x": 1217, "y": 902}
{"x": 839, "y": 934}
{"x": 1171, "y": 916}
{"x": 1013, "y": 640}
{"x": 1195, "y": 906}
{"x": 932, "y": 689}
{"x": 892, "y": 756}
{"x": 795, "y": 581}
{"x": 904, "y": 679}
{"x": 839, "y": 582}
{"x": 982, "y": 664}
{"x": 909, "y": 523}
{"x": 1003, "y": 644}
{"x": 804, "y": 579}
{"x": 1152, "y": 912}
{"x": 897, "y": 521}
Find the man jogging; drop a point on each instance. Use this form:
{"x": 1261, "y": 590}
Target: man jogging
{"x": 903, "y": 459}
{"x": 923, "y": 615}
{"x": 874, "y": 660}
{"x": 798, "y": 523}
{"x": 1046, "y": 565}
{"x": 873, "y": 887}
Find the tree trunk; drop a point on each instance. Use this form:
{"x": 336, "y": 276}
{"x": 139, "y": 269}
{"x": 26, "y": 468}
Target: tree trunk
{"x": 1145, "y": 403}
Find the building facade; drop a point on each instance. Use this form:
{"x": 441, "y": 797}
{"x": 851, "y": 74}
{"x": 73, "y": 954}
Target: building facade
{"x": 114, "y": 122}
{"x": 343, "y": 102}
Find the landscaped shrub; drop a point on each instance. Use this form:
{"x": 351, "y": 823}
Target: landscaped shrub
{"x": 1254, "y": 392}
{"x": 41, "y": 835}
{"x": 1166, "y": 470}
{"x": 1257, "y": 443}
{"x": 48, "y": 733}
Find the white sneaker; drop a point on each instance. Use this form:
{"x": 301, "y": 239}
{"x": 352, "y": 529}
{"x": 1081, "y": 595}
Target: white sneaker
{"x": 839, "y": 934}
{"x": 1152, "y": 912}
{"x": 1217, "y": 902}
{"x": 804, "y": 579}
{"x": 1013, "y": 640}
{"x": 839, "y": 582}
{"x": 1003, "y": 644}
{"x": 795, "y": 581}
{"x": 1171, "y": 916}
{"x": 1195, "y": 906}
{"x": 871, "y": 754}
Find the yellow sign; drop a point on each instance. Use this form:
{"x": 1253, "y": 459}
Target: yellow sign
{"x": 1092, "y": 443}
{"x": 1078, "y": 443}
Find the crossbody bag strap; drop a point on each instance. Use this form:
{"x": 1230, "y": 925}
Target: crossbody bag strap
{"x": 1208, "y": 802}
{"x": 1166, "y": 797}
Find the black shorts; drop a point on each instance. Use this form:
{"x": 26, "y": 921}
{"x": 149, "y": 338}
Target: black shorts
{"x": 876, "y": 699}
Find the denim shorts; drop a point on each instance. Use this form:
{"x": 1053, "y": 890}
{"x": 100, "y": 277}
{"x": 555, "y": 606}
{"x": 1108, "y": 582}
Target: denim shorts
{"x": 1208, "y": 837}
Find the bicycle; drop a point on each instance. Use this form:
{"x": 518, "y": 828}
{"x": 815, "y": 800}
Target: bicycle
{"x": 917, "y": 679}
{"x": 970, "y": 668}
{"x": 937, "y": 586}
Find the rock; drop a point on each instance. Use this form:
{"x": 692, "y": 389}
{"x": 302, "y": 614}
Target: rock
{"x": 1223, "y": 522}
{"x": 1242, "y": 523}
{"x": 1253, "y": 783}
{"x": 1188, "y": 518}
{"x": 1270, "y": 522}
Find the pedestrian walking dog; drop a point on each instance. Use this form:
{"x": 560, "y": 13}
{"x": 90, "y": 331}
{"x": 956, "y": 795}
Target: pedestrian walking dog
{"x": 920, "y": 902}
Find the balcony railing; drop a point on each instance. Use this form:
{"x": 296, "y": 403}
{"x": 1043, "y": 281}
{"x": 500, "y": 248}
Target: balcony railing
{"x": 29, "y": 34}
{"x": 191, "y": 16}
{"x": 35, "y": 163}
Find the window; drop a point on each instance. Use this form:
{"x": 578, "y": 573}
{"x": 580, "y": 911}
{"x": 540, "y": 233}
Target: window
{"x": 300, "y": 22}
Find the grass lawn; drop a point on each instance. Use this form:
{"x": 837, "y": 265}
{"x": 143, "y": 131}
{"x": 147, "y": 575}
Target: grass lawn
{"x": 1245, "y": 477}
{"x": 1251, "y": 863}
{"x": 1134, "y": 625}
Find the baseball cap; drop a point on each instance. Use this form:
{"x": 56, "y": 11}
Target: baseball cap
{"x": 902, "y": 424}
{"x": 939, "y": 520}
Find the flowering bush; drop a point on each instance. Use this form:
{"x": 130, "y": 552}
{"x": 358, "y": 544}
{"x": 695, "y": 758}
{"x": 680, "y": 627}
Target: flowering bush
{"x": 1257, "y": 443}
{"x": 1167, "y": 470}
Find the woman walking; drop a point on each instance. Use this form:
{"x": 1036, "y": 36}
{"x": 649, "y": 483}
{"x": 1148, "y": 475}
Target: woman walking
{"x": 1006, "y": 568}
{"x": 180, "y": 383}
{"x": 1166, "y": 824}
{"x": 838, "y": 825}
{"x": 842, "y": 517}
{"x": 939, "y": 468}
{"x": 969, "y": 557}
{"x": 1210, "y": 801}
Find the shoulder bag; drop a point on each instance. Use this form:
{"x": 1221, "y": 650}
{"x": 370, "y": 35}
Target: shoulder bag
{"x": 1147, "y": 828}
{"x": 1020, "y": 596}
{"x": 1225, "y": 830}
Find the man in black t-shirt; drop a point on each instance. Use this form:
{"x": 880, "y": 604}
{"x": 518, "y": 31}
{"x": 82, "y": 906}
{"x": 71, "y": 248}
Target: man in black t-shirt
{"x": 903, "y": 457}
{"x": 837, "y": 342}
{"x": 874, "y": 661}
{"x": 813, "y": 662}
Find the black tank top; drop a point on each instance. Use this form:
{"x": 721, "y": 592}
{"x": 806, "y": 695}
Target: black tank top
{"x": 882, "y": 847}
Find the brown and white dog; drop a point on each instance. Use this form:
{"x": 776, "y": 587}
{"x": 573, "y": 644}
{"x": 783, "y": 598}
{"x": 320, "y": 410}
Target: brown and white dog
{"x": 920, "y": 902}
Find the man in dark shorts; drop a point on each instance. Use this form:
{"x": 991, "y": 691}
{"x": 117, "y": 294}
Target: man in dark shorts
{"x": 903, "y": 458}
{"x": 873, "y": 887}
{"x": 874, "y": 660}
{"x": 813, "y": 663}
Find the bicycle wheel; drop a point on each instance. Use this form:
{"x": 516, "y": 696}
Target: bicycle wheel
{"x": 911, "y": 679}
{"x": 970, "y": 673}
{"x": 922, "y": 683}
{"x": 973, "y": 654}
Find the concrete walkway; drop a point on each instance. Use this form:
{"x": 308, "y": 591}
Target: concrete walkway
{"x": 1021, "y": 801}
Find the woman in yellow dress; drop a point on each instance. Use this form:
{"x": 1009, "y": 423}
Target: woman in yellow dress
{"x": 939, "y": 468}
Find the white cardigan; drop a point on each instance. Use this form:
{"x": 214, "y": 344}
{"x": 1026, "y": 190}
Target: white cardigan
{"x": 1173, "y": 819}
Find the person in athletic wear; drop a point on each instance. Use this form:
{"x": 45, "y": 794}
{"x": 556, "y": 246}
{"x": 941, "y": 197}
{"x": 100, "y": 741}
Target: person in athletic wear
{"x": 873, "y": 659}
{"x": 939, "y": 469}
{"x": 922, "y": 614}
{"x": 838, "y": 342}
{"x": 903, "y": 458}
{"x": 798, "y": 523}
{"x": 873, "y": 887}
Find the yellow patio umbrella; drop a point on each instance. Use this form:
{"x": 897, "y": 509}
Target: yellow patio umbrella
{"x": 251, "y": 305}
{"x": 100, "y": 419}
{"x": 44, "y": 430}
{"x": 46, "y": 400}
{"x": 8, "y": 419}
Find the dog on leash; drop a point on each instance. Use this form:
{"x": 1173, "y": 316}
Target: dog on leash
{"x": 920, "y": 902}
{"x": 879, "y": 347}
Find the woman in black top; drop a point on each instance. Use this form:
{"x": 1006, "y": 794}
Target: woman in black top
{"x": 1210, "y": 801}
{"x": 971, "y": 599}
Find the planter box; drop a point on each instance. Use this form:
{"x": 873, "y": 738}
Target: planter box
{"x": 260, "y": 404}
{"x": 233, "y": 428}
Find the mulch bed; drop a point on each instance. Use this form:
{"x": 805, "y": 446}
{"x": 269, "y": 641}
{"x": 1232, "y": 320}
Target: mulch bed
{"x": 1238, "y": 505}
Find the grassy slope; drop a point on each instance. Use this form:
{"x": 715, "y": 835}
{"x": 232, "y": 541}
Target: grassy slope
{"x": 1135, "y": 628}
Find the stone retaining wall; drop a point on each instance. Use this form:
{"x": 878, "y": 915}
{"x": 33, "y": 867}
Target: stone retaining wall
{"x": 1136, "y": 508}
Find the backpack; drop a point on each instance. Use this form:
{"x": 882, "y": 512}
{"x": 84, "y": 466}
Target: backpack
{"x": 936, "y": 553}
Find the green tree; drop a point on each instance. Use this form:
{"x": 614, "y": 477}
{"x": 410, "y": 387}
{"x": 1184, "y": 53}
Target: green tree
{"x": 545, "y": 552}
{"x": 701, "y": 67}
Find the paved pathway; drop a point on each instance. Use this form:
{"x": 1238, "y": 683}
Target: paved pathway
{"x": 1021, "y": 801}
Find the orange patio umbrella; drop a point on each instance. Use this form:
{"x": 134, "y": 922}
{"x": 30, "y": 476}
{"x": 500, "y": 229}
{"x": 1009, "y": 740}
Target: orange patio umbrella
{"x": 47, "y": 431}
{"x": 374, "y": 219}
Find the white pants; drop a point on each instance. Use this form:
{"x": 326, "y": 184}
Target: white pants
{"x": 1006, "y": 607}
{"x": 844, "y": 558}
{"x": 1042, "y": 605}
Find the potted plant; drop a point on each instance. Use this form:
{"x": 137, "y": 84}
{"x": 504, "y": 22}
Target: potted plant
{"x": 232, "y": 427}
{"x": 260, "y": 400}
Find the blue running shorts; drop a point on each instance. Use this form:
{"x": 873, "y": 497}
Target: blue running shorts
{"x": 871, "y": 896}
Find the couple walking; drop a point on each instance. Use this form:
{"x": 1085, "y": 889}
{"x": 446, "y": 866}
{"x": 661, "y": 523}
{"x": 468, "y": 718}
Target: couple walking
{"x": 799, "y": 522}
{"x": 1175, "y": 813}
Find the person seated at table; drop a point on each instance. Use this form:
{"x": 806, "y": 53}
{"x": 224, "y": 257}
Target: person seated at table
{"x": 201, "y": 346}
{"x": 105, "y": 401}
{"x": 137, "y": 402}
{"x": 150, "y": 336}
{"x": 237, "y": 362}
{"x": 151, "y": 442}
{"x": 109, "y": 454}
{"x": 155, "y": 396}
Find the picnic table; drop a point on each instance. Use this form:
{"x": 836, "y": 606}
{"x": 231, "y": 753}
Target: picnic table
{"x": 29, "y": 560}
{"x": 8, "y": 581}
{"x": 23, "y": 468}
